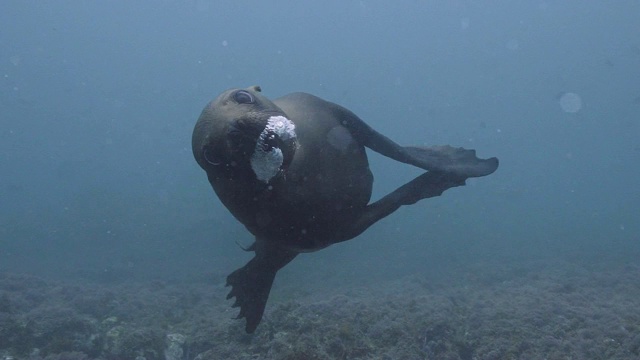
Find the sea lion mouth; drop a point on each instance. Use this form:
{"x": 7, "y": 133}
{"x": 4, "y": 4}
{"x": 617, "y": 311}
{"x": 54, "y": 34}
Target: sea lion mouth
{"x": 274, "y": 148}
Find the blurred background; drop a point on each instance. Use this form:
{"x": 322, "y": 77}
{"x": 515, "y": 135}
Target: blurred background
{"x": 98, "y": 100}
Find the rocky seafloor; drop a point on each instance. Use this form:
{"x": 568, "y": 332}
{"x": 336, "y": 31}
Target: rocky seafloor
{"x": 529, "y": 311}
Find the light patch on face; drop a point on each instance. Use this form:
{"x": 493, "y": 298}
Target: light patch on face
{"x": 267, "y": 160}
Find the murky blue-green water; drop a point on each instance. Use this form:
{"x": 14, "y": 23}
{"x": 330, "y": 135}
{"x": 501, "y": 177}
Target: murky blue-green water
{"x": 98, "y": 100}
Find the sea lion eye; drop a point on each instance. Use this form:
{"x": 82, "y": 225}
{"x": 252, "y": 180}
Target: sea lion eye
{"x": 243, "y": 97}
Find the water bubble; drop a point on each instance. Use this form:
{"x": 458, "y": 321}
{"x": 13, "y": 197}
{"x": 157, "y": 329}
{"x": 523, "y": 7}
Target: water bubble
{"x": 513, "y": 44}
{"x": 225, "y": 43}
{"x": 340, "y": 138}
{"x": 570, "y": 102}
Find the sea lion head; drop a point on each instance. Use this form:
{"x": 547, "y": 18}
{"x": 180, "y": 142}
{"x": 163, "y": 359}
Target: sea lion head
{"x": 241, "y": 130}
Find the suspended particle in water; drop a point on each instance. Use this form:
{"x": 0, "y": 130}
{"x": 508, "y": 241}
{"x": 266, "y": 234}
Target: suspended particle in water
{"x": 570, "y": 102}
{"x": 464, "y": 23}
{"x": 15, "y": 60}
{"x": 202, "y": 6}
{"x": 224, "y": 43}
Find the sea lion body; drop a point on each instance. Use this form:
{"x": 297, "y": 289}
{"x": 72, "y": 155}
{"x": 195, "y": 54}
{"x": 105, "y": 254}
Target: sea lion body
{"x": 328, "y": 181}
{"x": 295, "y": 172}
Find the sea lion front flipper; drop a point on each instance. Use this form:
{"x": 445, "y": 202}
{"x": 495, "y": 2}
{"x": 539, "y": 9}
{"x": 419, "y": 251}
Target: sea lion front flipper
{"x": 251, "y": 283}
{"x": 427, "y": 185}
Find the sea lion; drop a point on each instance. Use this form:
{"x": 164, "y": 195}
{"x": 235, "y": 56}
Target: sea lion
{"x": 295, "y": 172}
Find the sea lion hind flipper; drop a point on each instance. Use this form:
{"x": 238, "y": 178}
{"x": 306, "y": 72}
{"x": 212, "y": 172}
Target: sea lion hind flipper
{"x": 427, "y": 185}
{"x": 251, "y": 247}
{"x": 251, "y": 284}
{"x": 444, "y": 158}
{"x": 456, "y": 160}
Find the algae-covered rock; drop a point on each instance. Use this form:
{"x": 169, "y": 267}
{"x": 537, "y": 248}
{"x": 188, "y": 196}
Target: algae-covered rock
{"x": 174, "y": 349}
{"x": 126, "y": 342}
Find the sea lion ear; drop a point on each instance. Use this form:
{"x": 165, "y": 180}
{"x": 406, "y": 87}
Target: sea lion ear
{"x": 255, "y": 88}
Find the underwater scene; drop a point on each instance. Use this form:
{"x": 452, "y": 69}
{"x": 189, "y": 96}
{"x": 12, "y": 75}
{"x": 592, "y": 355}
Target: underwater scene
{"x": 421, "y": 179}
